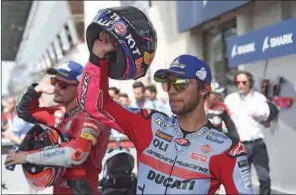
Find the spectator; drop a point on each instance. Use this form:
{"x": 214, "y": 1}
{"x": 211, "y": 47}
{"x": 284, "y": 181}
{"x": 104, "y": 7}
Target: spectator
{"x": 248, "y": 110}
{"x": 151, "y": 94}
{"x": 114, "y": 93}
{"x": 124, "y": 99}
{"x": 9, "y": 113}
{"x": 140, "y": 101}
{"x": 17, "y": 130}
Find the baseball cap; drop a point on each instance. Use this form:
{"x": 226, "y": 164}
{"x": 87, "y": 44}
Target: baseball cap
{"x": 216, "y": 87}
{"x": 70, "y": 70}
{"x": 186, "y": 66}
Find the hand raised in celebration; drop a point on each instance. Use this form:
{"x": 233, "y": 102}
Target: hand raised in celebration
{"x": 104, "y": 45}
{"x": 44, "y": 87}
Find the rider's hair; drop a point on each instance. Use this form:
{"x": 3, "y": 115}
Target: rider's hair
{"x": 202, "y": 86}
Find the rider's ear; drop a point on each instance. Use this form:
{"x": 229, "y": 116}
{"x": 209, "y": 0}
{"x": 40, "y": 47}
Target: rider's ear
{"x": 205, "y": 90}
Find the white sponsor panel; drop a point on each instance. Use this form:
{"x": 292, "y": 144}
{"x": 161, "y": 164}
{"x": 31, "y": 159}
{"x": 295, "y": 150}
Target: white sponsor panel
{"x": 278, "y": 41}
{"x": 243, "y": 49}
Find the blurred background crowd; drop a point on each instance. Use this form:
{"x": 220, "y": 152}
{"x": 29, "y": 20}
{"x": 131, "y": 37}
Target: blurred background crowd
{"x": 257, "y": 36}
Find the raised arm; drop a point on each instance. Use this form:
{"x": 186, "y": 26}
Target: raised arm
{"x": 93, "y": 97}
{"x": 28, "y": 108}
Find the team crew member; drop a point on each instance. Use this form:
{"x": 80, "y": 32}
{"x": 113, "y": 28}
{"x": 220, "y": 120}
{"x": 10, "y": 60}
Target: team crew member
{"x": 87, "y": 137}
{"x": 249, "y": 111}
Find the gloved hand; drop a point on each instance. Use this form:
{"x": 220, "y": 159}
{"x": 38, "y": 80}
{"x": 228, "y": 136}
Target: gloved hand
{"x": 103, "y": 46}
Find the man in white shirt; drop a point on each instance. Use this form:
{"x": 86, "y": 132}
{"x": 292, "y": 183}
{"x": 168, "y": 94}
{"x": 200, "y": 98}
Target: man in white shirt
{"x": 249, "y": 110}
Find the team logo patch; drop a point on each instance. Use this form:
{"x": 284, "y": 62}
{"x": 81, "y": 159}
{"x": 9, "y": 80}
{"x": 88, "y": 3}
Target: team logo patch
{"x": 206, "y": 148}
{"x": 182, "y": 142}
{"x": 119, "y": 28}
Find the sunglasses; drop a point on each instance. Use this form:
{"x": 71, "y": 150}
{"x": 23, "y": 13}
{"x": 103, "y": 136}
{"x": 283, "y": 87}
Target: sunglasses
{"x": 179, "y": 84}
{"x": 62, "y": 84}
{"x": 243, "y": 82}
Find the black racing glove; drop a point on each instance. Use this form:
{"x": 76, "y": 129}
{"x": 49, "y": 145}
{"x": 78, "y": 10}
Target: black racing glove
{"x": 94, "y": 59}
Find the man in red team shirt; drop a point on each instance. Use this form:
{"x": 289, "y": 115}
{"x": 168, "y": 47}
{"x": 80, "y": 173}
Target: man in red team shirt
{"x": 87, "y": 137}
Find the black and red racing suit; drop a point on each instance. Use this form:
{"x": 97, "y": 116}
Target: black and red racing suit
{"x": 84, "y": 151}
{"x": 218, "y": 114}
{"x": 169, "y": 162}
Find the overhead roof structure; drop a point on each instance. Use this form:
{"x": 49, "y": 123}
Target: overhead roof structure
{"x": 14, "y": 16}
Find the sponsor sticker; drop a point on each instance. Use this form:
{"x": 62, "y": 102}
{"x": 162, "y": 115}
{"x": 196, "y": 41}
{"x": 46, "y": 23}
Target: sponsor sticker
{"x": 120, "y": 28}
{"x": 199, "y": 157}
{"x": 90, "y": 131}
{"x": 243, "y": 163}
{"x": 162, "y": 124}
{"x": 84, "y": 91}
{"x": 49, "y": 154}
{"x": 164, "y": 136}
{"x": 89, "y": 137}
{"x": 182, "y": 142}
{"x": 214, "y": 139}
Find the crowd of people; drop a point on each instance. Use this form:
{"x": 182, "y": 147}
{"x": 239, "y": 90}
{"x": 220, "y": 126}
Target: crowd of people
{"x": 144, "y": 97}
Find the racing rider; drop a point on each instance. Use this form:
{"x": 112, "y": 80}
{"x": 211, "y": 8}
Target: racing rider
{"x": 87, "y": 137}
{"x": 182, "y": 154}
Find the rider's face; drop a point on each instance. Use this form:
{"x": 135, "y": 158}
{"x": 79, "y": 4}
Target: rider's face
{"x": 214, "y": 98}
{"x": 186, "y": 100}
{"x": 64, "y": 90}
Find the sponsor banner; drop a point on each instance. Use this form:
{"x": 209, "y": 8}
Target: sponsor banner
{"x": 270, "y": 42}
